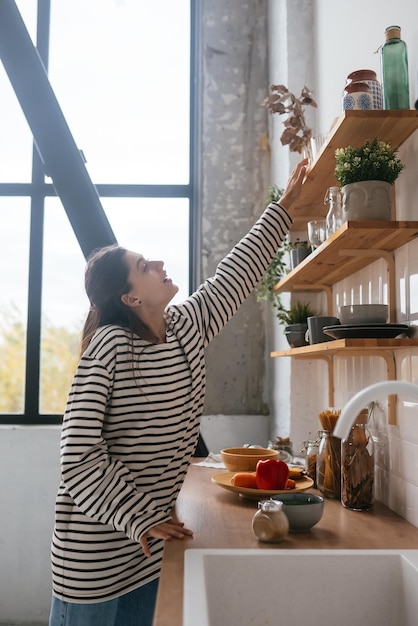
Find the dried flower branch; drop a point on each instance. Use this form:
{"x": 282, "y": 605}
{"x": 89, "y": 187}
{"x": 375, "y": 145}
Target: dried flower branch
{"x": 296, "y": 134}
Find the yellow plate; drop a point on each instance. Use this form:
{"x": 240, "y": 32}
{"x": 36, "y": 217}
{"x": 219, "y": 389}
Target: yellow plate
{"x": 224, "y": 481}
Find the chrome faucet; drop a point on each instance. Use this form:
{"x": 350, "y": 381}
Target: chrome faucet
{"x": 366, "y": 395}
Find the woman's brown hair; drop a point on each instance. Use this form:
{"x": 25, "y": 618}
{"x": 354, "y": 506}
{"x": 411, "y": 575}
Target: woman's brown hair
{"x": 106, "y": 280}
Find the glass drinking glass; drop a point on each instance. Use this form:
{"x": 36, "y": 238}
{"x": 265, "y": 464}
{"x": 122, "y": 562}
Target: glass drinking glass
{"x": 317, "y": 232}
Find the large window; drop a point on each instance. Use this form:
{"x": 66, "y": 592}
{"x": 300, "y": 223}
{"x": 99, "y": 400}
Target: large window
{"x": 121, "y": 71}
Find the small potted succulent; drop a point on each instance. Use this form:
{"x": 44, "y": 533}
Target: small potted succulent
{"x": 366, "y": 175}
{"x": 298, "y": 251}
{"x": 295, "y": 320}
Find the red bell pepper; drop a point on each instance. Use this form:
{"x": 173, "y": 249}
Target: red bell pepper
{"x": 271, "y": 474}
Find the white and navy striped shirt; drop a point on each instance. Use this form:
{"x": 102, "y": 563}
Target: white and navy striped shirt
{"x": 131, "y": 426}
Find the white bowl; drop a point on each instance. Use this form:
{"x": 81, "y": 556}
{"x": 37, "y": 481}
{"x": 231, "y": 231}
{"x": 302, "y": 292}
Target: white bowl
{"x": 303, "y": 510}
{"x": 364, "y": 314}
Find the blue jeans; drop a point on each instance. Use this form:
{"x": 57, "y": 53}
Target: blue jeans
{"x": 135, "y": 608}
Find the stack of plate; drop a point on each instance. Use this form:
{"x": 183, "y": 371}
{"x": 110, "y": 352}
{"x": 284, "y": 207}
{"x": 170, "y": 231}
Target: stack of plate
{"x": 362, "y": 321}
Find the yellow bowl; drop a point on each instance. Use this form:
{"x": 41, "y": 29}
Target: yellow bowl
{"x": 246, "y": 459}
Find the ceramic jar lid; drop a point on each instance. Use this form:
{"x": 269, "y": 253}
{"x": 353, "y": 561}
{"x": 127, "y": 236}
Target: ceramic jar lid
{"x": 361, "y": 75}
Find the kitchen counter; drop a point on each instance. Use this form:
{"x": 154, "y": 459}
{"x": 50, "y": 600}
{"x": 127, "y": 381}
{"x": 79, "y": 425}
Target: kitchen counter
{"x": 221, "y": 519}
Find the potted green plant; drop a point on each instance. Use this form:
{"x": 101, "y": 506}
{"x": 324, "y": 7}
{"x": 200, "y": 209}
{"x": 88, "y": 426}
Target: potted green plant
{"x": 366, "y": 175}
{"x": 295, "y": 321}
{"x": 298, "y": 251}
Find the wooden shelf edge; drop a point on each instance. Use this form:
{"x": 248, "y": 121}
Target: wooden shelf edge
{"x": 337, "y": 346}
{"x": 387, "y": 235}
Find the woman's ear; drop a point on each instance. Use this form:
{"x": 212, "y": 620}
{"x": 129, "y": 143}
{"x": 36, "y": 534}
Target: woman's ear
{"x": 130, "y": 300}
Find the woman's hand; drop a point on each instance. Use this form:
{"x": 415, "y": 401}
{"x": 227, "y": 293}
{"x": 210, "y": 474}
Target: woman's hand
{"x": 167, "y": 531}
{"x": 294, "y": 186}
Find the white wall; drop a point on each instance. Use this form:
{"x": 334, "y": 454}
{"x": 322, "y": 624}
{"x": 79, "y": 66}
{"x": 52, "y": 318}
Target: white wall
{"x": 29, "y": 466}
{"x": 347, "y": 35}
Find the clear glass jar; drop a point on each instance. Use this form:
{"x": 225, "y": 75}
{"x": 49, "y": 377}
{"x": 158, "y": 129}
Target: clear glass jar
{"x": 311, "y": 448}
{"x": 270, "y": 523}
{"x": 285, "y": 446}
{"x": 357, "y": 468}
{"x": 335, "y": 216}
{"x": 328, "y": 465}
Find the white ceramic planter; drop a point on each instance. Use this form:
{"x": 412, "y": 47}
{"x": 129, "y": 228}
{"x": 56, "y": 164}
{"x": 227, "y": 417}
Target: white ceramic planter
{"x": 367, "y": 200}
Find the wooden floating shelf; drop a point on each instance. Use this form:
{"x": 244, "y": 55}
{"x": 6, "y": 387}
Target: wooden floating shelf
{"x": 382, "y": 348}
{"x": 351, "y": 129}
{"x": 354, "y": 246}
{"x": 347, "y": 346}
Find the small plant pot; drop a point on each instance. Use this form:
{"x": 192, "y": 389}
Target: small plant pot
{"x": 297, "y": 255}
{"x": 295, "y": 335}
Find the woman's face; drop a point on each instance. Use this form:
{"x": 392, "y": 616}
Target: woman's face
{"x": 150, "y": 285}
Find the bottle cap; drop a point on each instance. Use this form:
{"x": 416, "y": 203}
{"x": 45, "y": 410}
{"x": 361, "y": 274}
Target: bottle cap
{"x": 393, "y": 32}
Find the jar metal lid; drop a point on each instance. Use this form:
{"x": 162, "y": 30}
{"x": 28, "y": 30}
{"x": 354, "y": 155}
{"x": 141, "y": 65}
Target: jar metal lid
{"x": 270, "y": 506}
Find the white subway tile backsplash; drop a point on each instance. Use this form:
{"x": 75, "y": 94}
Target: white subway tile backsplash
{"x": 409, "y": 462}
{"x": 396, "y": 494}
{"x": 396, "y": 446}
{"x": 411, "y": 503}
{"x": 408, "y": 421}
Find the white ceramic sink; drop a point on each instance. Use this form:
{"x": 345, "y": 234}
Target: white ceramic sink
{"x": 300, "y": 587}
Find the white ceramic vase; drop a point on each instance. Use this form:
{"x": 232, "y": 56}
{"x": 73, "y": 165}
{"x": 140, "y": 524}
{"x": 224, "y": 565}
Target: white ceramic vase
{"x": 367, "y": 200}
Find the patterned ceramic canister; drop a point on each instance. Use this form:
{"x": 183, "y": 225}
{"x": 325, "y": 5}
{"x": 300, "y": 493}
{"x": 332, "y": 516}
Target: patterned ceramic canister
{"x": 357, "y": 96}
{"x": 369, "y": 77}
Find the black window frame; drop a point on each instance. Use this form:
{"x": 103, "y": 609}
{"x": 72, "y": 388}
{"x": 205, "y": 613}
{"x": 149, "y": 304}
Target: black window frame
{"x": 38, "y": 190}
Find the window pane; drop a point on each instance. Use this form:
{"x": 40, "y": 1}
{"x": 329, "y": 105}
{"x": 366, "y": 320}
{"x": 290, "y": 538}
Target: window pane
{"x": 14, "y": 258}
{"x": 143, "y": 225}
{"x": 157, "y": 228}
{"x": 121, "y": 74}
{"x": 64, "y": 308}
{"x": 15, "y": 135}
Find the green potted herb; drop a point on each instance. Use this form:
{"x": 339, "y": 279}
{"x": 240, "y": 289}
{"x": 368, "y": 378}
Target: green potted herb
{"x": 295, "y": 320}
{"x": 298, "y": 251}
{"x": 366, "y": 175}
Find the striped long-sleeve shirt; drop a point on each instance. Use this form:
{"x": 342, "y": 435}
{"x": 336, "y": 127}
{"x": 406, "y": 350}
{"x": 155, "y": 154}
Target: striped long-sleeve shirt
{"x": 131, "y": 426}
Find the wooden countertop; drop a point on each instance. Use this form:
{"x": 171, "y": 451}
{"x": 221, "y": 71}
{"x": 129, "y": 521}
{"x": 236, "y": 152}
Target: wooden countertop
{"x": 221, "y": 519}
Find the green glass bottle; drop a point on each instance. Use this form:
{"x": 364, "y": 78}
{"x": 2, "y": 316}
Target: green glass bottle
{"x": 395, "y": 78}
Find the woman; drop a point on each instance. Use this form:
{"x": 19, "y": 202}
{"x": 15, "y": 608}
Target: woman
{"x": 132, "y": 421}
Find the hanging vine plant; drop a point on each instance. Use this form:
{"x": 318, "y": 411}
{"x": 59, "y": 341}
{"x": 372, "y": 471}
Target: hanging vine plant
{"x": 276, "y": 269}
